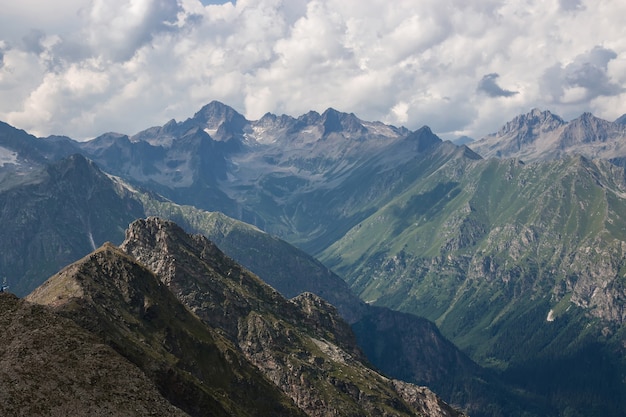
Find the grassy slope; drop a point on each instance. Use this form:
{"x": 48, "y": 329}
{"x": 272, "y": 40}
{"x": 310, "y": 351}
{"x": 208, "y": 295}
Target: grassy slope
{"x": 488, "y": 254}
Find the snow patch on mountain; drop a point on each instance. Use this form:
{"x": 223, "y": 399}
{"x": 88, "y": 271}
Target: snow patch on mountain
{"x": 210, "y": 132}
{"x": 381, "y": 129}
{"x": 121, "y": 183}
{"x": 7, "y": 156}
{"x": 260, "y": 134}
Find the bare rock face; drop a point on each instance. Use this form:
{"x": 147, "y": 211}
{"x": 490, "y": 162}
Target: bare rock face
{"x": 301, "y": 345}
{"x": 541, "y": 135}
{"x": 423, "y": 398}
{"x": 212, "y": 285}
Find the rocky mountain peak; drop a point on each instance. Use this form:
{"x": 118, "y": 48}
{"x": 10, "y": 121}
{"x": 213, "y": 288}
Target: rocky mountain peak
{"x": 107, "y": 139}
{"x": 588, "y": 129}
{"x": 536, "y": 120}
{"x": 163, "y": 236}
{"x": 189, "y": 264}
{"x": 220, "y": 120}
{"x": 26, "y": 149}
{"x": 297, "y": 344}
{"x": 335, "y": 121}
{"x": 170, "y": 126}
{"x": 423, "y": 138}
{"x": 309, "y": 118}
{"x": 272, "y": 120}
{"x": 79, "y": 174}
{"x": 113, "y": 296}
{"x": 108, "y": 274}
{"x": 588, "y": 118}
{"x": 159, "y": 135}
{"x": 76, "y": 162}
{"x": 541, "y": 135}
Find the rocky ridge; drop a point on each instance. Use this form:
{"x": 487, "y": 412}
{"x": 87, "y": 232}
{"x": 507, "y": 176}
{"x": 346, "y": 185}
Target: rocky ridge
{"x": 401, "y": 345}
{"x": 301, "y": 345}
{"x": 541, "y": 135}
{"x": 193, "y": 366}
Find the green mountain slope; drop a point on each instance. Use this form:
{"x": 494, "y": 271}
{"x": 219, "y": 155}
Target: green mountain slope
{"x": 312, "y": 218}
{"x": 55, "y": 216}
{"x": 516, "y": 263}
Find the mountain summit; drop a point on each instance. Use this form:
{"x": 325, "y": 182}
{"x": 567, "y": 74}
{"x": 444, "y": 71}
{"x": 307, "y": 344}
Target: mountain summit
{"x": 215, "y": 340}
{"x": 111, "y": 295}
{"x": 302, "y": 345}
{"x": 541, "y": 135}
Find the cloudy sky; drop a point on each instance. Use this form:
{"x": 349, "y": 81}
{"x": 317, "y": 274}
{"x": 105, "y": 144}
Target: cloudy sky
{"x": 463, "y": 67}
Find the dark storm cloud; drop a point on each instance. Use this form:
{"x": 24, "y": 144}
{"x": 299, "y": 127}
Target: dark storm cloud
{"x": 489, "y": 86}
{"x": 588, "y": 71}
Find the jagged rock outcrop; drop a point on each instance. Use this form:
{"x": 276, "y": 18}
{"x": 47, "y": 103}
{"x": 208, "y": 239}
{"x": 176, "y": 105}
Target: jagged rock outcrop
{"x": 301, "y": 345}
{"x": 541, "y": 135}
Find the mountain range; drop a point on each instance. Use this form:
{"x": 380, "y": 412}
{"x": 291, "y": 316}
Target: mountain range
{"x": 288, "y": 269}
{"x": 532, "y": 292}
{"x": 541, "y": 136}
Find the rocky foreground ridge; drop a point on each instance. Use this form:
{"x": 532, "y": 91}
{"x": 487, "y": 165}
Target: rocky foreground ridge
{"x": 212, "y": 338}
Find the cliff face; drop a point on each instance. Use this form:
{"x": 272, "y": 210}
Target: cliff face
{"x": 301, "y": 345}
{"x": 63, "y": 212}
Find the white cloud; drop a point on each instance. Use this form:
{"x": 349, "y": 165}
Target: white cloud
{"x": 84, "y": 67}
